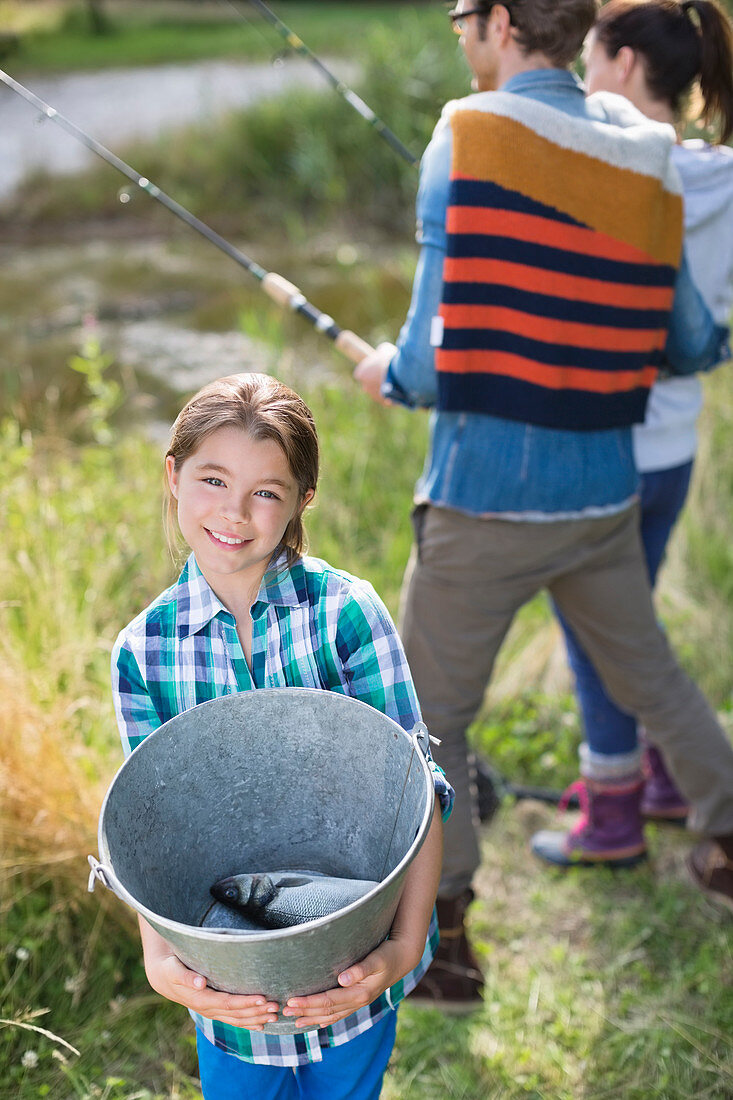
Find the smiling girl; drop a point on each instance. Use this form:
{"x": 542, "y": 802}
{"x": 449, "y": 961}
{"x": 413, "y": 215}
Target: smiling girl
{"x": 248, "y": 612}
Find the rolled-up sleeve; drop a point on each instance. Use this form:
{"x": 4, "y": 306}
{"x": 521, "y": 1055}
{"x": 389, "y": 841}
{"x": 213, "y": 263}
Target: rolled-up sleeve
{"x": 694, "y": 342}
{"x": 136, "y": 715}
{"x": 411, "y": 376}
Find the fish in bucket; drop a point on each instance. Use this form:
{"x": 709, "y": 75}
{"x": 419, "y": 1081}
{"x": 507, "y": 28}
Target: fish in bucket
{"x": 306, "y": 806}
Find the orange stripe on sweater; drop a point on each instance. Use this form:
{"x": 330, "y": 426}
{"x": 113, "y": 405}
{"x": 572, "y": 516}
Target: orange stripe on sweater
{"x": 542, "y": 231}
{"x": 557, "y": 283}
{"x": 553, "y": 378}
{"x": 626, "y": 205}
{"x": 553, "y": 331}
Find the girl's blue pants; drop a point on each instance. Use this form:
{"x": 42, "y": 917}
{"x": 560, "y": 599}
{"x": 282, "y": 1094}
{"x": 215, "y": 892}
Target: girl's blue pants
{"x": 352, "y": 1071}
{"x": 609, "y": 730}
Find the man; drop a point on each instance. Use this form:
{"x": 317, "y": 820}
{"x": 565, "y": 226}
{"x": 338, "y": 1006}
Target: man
{"x": 550, "y": 228}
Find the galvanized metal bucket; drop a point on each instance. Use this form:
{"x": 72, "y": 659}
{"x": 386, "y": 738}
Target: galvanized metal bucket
{"x": 281, "y": 779}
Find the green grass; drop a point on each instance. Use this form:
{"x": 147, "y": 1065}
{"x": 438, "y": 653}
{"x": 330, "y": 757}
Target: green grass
{"x": 161, "y": 33}
{"x": 598, "y": 986}
{"x": 81, "y": 972}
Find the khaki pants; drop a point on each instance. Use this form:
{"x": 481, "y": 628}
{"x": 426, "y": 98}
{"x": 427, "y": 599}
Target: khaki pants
{"x": 466, "y": 580}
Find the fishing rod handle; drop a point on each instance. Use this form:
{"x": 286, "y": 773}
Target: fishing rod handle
{"x": 287, "y": 294}
{"x": 352, "y": 346}
{"x": 280, "y": 290}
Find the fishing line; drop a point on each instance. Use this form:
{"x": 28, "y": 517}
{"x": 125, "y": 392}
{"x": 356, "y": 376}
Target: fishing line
{"x": 296, "y": 43}
{"x": 495, "y": 785}
{"x": 277, "y": 58}
{"x": 274, "y": 285}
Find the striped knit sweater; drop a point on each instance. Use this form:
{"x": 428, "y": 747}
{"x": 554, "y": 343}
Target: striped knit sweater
{"x": 564, "y": 236}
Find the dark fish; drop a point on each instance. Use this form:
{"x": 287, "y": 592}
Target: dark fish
{"x": 286, "y": 898}
{"x": 221, "y": 918}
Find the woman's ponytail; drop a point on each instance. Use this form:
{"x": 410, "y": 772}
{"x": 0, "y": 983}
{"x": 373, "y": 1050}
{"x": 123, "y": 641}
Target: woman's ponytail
{"x": 679, "y": 43}
{"x": 716, "y": 63}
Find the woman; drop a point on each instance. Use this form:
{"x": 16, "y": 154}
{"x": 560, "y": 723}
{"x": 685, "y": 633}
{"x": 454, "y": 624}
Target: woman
{"x": 654, "y": 53}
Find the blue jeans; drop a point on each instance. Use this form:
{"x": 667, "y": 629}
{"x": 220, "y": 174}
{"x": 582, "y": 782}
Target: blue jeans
{"x": 609, "y": 730}
{"x": 352, "y": 1071}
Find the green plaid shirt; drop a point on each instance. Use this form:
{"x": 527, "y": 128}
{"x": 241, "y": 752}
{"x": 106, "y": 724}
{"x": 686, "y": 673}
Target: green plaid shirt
{"x": 313, "y": 626}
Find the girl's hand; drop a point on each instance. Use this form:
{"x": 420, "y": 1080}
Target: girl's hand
{"x": 358, "y": 986}
{"x": 363, "y": 982}
{"x": 174, "y": 981}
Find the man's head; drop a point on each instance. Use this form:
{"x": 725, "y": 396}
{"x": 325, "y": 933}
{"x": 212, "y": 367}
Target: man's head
{"x": 521, "y": 34}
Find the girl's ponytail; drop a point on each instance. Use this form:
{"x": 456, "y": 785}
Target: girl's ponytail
{"x": 716, "y": 63}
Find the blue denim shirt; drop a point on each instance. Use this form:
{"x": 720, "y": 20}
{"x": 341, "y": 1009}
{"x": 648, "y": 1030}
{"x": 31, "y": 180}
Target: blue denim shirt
{"x": 485, "y": 465}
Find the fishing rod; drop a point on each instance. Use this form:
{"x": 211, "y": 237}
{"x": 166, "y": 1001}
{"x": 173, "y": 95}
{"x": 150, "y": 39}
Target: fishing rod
{"x": 274, "y": 285}
{"x": 491, "y": 785}
{"x": 296, "y": 43}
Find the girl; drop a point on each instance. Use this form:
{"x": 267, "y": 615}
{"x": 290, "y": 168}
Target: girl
{"x": 250, "y": 611}
{"x": 653, "y": 52}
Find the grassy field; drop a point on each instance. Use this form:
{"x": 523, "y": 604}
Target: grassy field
{"x": 55, "y": 36}
{"x": 599, "y": 986}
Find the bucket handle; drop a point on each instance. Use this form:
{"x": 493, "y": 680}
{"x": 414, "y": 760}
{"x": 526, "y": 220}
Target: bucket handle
{"x": 422, "y": 738}
{"x": 421, "y": 741}
{"x": 100, "y": 873}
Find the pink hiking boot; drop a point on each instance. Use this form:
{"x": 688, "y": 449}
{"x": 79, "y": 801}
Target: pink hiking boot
{"x": 609, "y": 833}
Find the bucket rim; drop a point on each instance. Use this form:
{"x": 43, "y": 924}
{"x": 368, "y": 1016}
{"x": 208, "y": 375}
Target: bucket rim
{"x": 110, "y": 879}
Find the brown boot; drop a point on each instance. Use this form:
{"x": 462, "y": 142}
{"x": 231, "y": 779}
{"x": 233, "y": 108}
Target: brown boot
{"x": 711, "y": 865}
{"x": 454, "y": 982}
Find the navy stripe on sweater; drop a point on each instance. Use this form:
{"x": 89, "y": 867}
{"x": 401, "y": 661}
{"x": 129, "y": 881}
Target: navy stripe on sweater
{"x": 468, "y": 192}
{"x": 489, "y": 247}
{"x": 513, "y": 399}
{"x": 546, "y": 305}
{"x": 551, "y": 354}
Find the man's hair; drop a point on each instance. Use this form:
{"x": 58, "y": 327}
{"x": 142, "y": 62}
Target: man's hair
{"x": 555, "y": 28}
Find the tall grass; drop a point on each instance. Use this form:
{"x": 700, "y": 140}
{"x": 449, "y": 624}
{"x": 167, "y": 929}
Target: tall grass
{"x": 697, "y": 587}
{"x": 74, "y": 535}
{"x": 80, "y": 537}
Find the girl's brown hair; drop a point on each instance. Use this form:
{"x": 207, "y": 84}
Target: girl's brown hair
{"x": 679, "y": 43}
{"x": 263, "y": 408}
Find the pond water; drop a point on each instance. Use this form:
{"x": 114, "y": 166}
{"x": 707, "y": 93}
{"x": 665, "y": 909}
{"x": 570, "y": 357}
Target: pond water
{"x": 173, "y": 313}
{"x": 116, "y": 106}
{"x": 170, "y": 309}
